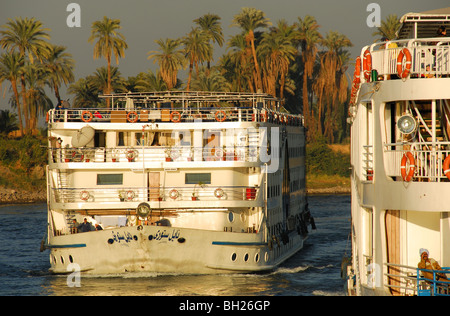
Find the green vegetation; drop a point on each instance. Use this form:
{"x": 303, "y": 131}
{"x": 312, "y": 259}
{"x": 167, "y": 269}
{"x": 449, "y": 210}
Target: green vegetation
{"x": 325, "y": 167}
{"x": 22, "y": 163}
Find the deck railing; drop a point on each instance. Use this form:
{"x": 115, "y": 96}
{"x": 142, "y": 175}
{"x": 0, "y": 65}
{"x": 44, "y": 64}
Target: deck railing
{"x": 428, "y": 158}
{"x": 429, "y": 58}
{"x": 155, "y": 154}
{"x": 438, "y": 286}
{"x": 118, "y": 194}
{"x": 174, "y": 115}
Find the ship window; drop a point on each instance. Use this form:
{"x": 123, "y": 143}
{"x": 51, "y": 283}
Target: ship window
{"x": 110, "y": 179}
{"x": 196, "y": 178}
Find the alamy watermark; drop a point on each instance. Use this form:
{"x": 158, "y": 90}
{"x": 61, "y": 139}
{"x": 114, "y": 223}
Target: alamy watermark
{"x": 74, "y": 278}
{"x": 74, "y": 18}
{"x": 374, "y": 18}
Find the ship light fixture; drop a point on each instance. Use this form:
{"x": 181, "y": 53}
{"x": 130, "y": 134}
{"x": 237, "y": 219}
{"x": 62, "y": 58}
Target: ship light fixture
{"x": 407, "y": 124}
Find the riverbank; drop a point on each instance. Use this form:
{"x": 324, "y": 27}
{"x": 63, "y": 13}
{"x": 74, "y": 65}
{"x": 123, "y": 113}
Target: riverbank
{"x": 14, "y": 196}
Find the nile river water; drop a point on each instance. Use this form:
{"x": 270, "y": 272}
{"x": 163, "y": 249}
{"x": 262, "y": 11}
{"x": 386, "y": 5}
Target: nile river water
{"x": 314, "y": 271}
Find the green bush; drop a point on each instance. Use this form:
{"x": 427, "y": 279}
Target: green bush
{"x": 321, "y": 159}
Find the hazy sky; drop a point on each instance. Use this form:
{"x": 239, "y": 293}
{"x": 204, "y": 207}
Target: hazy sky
{"x": 144, "y": 21}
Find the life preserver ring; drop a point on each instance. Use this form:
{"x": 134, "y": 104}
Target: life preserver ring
{"x": 218, "y": 193}
{"x": 130, "y": 195}
{"x": 84, "y": 195}
{"x": 132, "y": 117}
{"x": 175, "y": 116}
{"x": 412, "y": 166}
{"x": 446, "y": 167}
{"x": 131, "y": 154}
{"x": 220, "y": 116}
{"x": 89, "y": 114}
{"x": 367, "y": 64}
{"x": 403, "y": 72}
{"x": 46, "y": 117}
{"x": 357, "y": 74}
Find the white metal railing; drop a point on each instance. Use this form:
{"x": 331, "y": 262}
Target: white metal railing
{"x": 429, "y": 159}
{"x": 401, "y": 279}
{"x": 144, "y": 194}
{"x": 175, "y": 115}
{"x": 155, "y": 154}
{"x": 429, "y": 57}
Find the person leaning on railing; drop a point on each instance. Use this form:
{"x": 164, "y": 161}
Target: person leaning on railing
{"x": 430, "y": 264}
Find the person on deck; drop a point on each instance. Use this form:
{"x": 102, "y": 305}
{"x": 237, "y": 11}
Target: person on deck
{"x": 430, "y": 264}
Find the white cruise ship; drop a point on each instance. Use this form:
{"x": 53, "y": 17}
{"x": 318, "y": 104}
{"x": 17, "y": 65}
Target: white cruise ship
{"x": 400, "y": 155}
{"x": 176, "y": 182}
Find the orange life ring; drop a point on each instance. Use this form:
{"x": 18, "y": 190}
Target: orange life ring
{"x": 403, "y": 72}
{"x": 412, "y": 166}
{"x": 446, "y": 167}
{"x": 218, "y": 118}
{"x": 357, "y": 74}
{"x": 175, "y": 116}
{"x": 87, "y": 120}
{"x": 367, "y": 64}
{"x": 84, "y": 195}
{"x": 132, "y": 117}
{"x": 47, "y": 117}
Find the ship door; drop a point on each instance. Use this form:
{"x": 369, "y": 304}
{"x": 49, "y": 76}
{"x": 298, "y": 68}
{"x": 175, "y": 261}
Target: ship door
{"x": 392, "y": 223}
{"x": 153, "y": 186}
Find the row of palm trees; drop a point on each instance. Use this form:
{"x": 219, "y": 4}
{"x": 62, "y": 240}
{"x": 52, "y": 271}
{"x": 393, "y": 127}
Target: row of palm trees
{"x": 291, "y": 61}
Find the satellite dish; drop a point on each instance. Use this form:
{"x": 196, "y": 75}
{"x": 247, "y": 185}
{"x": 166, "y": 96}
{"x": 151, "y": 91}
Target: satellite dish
{"x": 83, "y": 136}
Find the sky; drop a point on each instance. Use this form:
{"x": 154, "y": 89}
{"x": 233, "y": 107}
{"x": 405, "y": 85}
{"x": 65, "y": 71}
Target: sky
{"x": 144, "y": 21}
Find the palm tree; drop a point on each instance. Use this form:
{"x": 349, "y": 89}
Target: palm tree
{"x": 211, "y": 80}
{"x": 60, "y": 65}
{"x": 330, "y": 86}
{"x": 109, "y": 42}
{"x": 309, "y": 40}
{"x": 8, "y": 122}
{"x": 36, "y": 75}
{"x": 240, "y": 59}
{"x": 210, "y": 24}
{"x": 10, "y": 69}
{"x": 150, "y": 82}
{"x": 86, "y": 94}
{"x": 388, "y": 27}
{"x": 197, "y": 49}
{"x": 250, "y": 19}
{"x": 104, "y": 80}
{"x": 277, "y": 52}
{"x": 29, "y": 38}
{"x": 170, "y": 60}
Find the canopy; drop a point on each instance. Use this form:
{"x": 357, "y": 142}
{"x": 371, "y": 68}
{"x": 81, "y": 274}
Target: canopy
{"x": 424, "y": 24}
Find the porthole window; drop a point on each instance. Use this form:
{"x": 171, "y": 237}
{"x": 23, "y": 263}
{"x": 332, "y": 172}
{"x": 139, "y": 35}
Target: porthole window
{"x": 233, "y": 257}
{"x": 231, "y": 217}
{"x": 62, "y": 260}
{"x": 70, "y": 259}
{"x": 246, "y": 257}
{"x": 257, "y": 257}
{"x": 266, "y": 257}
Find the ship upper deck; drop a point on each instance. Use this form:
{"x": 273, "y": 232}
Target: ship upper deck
{"x": 420, "y": 51}
{"x": 180, "y": 107}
